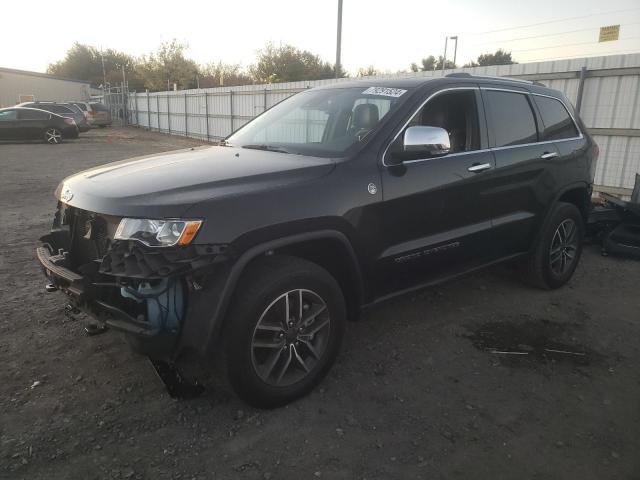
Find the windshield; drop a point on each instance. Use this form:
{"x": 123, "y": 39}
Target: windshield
{"x": 325, "y": 122}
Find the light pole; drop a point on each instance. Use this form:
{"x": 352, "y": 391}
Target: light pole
{"x": 339, "y": 39}
{"x": 455, "y": 50}
{"x": 444, "y": 57}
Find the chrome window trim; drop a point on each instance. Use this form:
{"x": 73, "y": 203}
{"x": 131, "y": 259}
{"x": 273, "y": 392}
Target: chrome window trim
{"x": 483, "y": 150}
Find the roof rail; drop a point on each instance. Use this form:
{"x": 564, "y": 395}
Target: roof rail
{"x": 510, "y": 79}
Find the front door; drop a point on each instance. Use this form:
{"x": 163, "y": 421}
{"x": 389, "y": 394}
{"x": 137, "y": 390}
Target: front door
{"x": 8, "y": 125}
{"x": 436, "y": 213}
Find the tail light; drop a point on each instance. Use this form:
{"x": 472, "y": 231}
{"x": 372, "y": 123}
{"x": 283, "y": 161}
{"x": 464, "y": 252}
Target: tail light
{"x": 92, "y": 112}
{"x": 69, "y": 121}
{"x": 597, "y": 152}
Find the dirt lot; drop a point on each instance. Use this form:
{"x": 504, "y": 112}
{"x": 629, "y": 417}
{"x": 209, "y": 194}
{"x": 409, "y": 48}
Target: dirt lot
{"x": 416, "y": 393}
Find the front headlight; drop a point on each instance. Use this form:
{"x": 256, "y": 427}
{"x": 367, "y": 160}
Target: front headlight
{"x": 158, "y": 233}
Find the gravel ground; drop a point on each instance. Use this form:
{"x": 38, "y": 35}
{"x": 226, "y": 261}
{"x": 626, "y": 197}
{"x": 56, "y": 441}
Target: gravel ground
{"x": 419, "y": 390}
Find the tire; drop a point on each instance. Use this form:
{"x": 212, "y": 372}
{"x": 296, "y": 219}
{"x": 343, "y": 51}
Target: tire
{"x": 52, "y": 136}
{"x": 564, "y": 243}
{"x": 264, "y": 360}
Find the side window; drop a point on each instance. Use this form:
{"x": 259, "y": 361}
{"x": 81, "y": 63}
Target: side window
{"x": 510, "y": 118}
{"x": 8, "y": 115}
{"x": 457, "y": 113}
{"x": 33, "y": 115}
{"x": 558, "y": 124}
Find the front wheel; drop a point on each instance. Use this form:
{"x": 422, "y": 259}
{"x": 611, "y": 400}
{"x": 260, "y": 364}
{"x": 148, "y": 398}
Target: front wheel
{"x": 559, "y": 248}
{"x": 284, "y": 331}
{"x": 53, "y": 136}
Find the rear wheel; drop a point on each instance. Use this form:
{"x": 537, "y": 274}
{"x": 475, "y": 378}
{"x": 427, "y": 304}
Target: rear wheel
{"x": 559, "y": 248}
{"x": 53, "y": 136}
{"x": 284, "y": 330}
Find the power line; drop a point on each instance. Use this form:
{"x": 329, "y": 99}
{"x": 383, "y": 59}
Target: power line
{"x": 570, "y": 45}
{"x": 549, "y": 34}
{"x": 555, "y": 21}
{"x": 571, "y": 57}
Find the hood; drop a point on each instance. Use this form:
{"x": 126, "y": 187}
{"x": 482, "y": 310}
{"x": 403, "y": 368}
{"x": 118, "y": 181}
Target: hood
{"x": 166, "y": 185}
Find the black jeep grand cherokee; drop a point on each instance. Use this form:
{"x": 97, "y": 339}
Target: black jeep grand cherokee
{"x": 338, "y": 198}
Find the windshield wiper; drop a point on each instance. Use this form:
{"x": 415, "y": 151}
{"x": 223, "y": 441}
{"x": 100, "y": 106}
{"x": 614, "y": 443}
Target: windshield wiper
{"x": 268, "y": 148}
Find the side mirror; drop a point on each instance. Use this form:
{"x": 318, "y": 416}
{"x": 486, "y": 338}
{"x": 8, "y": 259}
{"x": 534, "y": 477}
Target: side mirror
{"x": 428, "y": 141}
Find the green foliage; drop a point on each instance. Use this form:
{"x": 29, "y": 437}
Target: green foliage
{"x": 221, "y": 74}
{"x": 431, "y": 63}
{"x": 500, "y": 57}
{"x": 368, "y": 71}
{"x": 287, "y": 63}
{"x": 168, "y": 65}
{"x": 84, "y": 62}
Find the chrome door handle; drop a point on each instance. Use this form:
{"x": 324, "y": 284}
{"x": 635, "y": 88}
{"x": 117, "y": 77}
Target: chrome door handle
{"x": 549, "y": 155}
{"x": 479, "y": 167}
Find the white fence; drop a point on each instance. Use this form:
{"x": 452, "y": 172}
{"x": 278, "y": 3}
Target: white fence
{"x": 606, "y": 91}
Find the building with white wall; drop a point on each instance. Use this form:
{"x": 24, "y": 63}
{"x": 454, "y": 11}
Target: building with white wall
{"x": 18, "y": 86}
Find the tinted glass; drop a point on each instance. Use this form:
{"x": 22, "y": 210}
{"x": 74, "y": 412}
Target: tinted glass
{"x": 73, "y": 107}
{"x": 99, "y": 107}
{"x": 7, "y": 115}
{"x": 557, "y": 121}
{"x": 33, "y": 115}
{"x": 511, "y": 118}
{"x": 59, "y": 109}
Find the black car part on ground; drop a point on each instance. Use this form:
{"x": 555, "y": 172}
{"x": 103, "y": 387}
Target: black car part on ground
{"x": 617, "y": 223}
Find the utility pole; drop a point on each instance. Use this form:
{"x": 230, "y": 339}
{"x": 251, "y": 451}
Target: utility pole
{"x": 338, "y": 66}
{"x": 455, "y": 50}
{"x": 444, "y": 57}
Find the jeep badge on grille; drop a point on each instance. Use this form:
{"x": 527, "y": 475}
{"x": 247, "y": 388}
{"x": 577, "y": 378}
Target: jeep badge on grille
{"x": 66, "y": 195}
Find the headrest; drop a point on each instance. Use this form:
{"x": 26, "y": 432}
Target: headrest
{"x": 365, "y": 116}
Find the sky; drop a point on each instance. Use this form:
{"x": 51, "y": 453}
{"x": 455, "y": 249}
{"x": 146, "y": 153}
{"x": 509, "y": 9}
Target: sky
{"x": 388, "y": 35}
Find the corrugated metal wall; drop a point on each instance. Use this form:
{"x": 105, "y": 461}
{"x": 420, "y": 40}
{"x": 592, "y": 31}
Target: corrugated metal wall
{"x": 14, "y": 83}
{"x": 609, "y": 106}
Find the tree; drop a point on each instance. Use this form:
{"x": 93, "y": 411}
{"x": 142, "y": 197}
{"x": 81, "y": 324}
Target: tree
{"x": 287, "y": 63}
{"x": 84, "y": 62}
{"x": 500, "y": 57}
{"x": 368, "y": 71}
{"x": 223, "y": 74}
{"x": 430, "y": 63}
{"x": 168, "y": 65}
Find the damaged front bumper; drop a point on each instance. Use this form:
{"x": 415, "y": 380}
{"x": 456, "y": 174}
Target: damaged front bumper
{"x": 149, "y": 293}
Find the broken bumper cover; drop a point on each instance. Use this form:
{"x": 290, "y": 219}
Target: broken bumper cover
{"x": 82, "y": 296}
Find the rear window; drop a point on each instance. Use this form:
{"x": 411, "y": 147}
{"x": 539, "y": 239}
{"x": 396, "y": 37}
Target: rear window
{"x": 511, "y": 118}
{"x": 558, "y": 124}
{"x": 99, "y": 107}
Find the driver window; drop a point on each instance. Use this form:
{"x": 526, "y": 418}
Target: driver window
{"x": 457, "y": 113}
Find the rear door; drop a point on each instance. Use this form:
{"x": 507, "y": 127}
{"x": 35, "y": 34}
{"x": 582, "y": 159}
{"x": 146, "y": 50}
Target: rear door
{"x": 522, "y": 180}
{"x": 436, "y": 215}
{"x": 9, "y": 129}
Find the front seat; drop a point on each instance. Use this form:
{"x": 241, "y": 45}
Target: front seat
{"x": 365, "y": 118}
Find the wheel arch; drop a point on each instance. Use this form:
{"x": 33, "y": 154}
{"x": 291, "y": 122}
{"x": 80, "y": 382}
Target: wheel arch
{"x": 330, "y": 249}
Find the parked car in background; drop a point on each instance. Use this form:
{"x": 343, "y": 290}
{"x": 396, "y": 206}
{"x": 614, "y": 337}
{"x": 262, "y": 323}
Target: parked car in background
{"x": 83, "y": 124}
{"x": 18, "y": 123}
{"x": 99, "y": 115}
{"x": 59, "y": 109}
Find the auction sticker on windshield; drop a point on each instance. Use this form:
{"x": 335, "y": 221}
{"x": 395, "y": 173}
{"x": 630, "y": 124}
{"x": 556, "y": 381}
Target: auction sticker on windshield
{"x": 384, "y": 91}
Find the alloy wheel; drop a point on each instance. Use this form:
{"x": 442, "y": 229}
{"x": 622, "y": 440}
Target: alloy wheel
{"x": 53, "y": 136}
{"x": 564, "y": 247}
{"x": 290, "y": 337}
